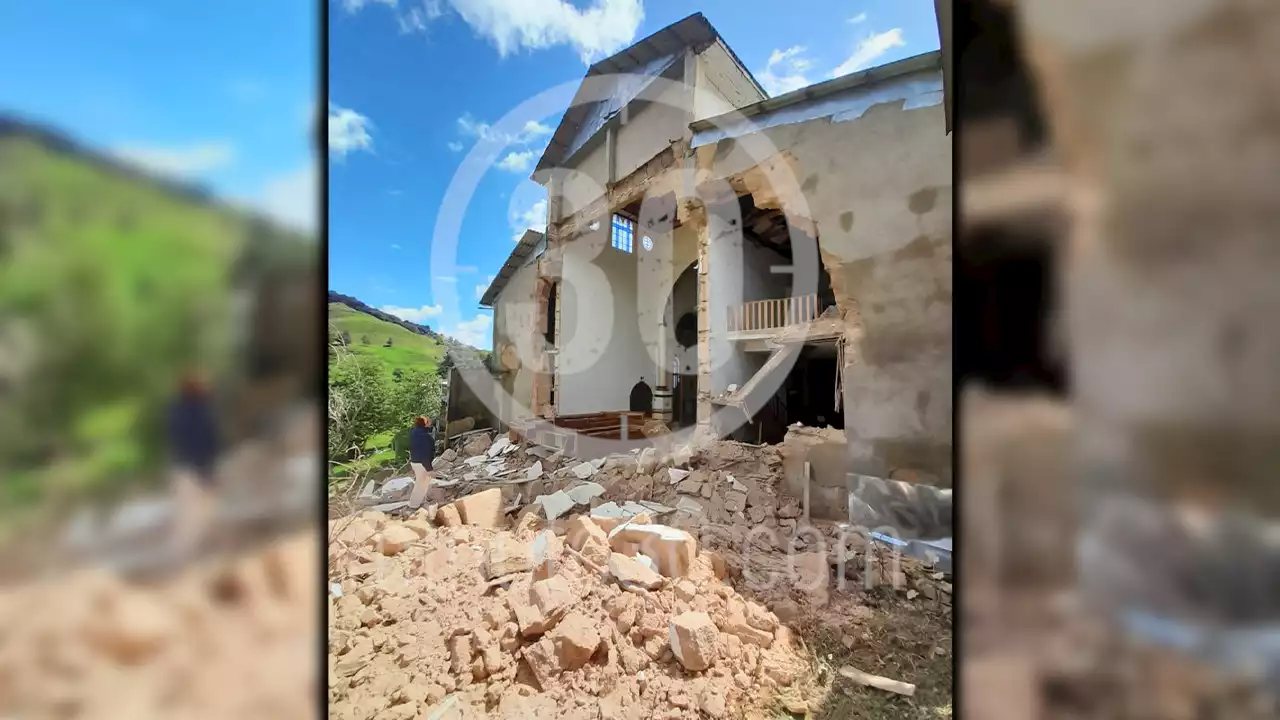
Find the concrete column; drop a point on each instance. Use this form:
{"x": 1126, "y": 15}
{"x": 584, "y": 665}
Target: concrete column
{"x": 699, "y": 219}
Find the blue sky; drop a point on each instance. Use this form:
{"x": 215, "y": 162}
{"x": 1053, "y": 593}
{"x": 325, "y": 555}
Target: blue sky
{"x": 414, "y": 83}
{"x": 220, "y": 93}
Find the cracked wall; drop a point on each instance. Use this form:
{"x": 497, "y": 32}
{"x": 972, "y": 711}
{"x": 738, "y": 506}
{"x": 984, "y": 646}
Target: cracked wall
{"x": 877, "y": 191}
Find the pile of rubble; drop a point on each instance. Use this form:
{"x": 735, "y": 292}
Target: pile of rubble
{"x": 725, "y": 482}
{"x": 228, "y": 638}
{"x": 451, "y": 613}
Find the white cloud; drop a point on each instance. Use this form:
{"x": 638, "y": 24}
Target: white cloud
{"x": 417, "y": 315}
{"x": 467, "y": 269}
{"x": 395, "y": 247}
{"x": 518, "y": 162}
{"x": 599, "y": 30}
{"x": 182, "y": 162}
{"x": 292, "y": 197}
{"x": 473, "y": 332}
{"x": 480, "y": 289}
{"x": 455, "y": 146}
{"x": 348, "y": 131}
{"x": 858, "y": 19}
{"x": 785, "y": 71}
{"x": 532, "y": 131}
{"x": 533, "y": 217}
{"x": 869, "y": 50}
{"x": 447, "y": 278}
{"x": 355, "y": 5}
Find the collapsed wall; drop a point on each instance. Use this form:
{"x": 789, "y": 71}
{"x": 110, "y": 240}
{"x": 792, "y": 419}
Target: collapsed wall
{"x": 882, "y": 218}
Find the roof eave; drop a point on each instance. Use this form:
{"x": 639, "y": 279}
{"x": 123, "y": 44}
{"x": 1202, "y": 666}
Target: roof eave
{"x": 870, "y": 76}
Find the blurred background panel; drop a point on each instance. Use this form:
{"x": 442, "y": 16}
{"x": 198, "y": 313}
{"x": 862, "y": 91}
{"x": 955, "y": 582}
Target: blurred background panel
{"x": 159, "y": 203}
{"x": 1119, "y": 357}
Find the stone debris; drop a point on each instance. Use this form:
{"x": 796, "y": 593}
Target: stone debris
{"x": 199, "y": 643}
{"x": 607, "y": 589}
{"x": 570, "y": 623}
{"x": 484, "y": 509}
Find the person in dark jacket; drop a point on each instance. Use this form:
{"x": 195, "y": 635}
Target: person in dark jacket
{"x": 194, "y": 447}
{"x": 422, "y": 452}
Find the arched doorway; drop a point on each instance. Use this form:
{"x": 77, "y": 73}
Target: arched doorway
{"x": 681, "y": 320}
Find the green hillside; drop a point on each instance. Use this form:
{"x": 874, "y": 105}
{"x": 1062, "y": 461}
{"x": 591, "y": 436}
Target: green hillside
{"x": 408, "y": 351}
{"x": 111, "y": 284}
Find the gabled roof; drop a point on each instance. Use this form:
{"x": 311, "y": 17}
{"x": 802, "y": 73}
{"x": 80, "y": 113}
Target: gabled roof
{"x": 638, "y": 66}
{"x": 527, "y": 245}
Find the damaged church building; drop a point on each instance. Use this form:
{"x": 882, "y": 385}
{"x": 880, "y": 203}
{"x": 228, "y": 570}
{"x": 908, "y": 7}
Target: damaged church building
{"x": 769, "y": 269}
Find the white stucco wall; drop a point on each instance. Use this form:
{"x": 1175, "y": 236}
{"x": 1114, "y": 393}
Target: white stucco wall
{"x": 602, "y": 353}
{"x": 721, "y": 85}
{"x": 515, "y": 323}
{"x": 884, "y": 229}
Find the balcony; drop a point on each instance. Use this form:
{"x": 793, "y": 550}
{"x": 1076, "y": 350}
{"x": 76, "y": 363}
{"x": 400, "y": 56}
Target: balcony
{"x": 773, "y": 314}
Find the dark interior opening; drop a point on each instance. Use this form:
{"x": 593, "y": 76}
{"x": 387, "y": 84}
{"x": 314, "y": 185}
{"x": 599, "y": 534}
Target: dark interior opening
{"x": 807, "y": 396}
{"x": 768, "y": 228}
{"x": 1004, "y": 331}
{"x": 551, "y": 315}
{"x": 995, "y": 79}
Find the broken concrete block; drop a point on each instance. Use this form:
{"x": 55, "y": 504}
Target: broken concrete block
{"x": 736, "y": 625}
{"x": 673, "y": 550}
{"x": 584, "y": 470}
{"x": 759, "y": 617}
{"x": 677, "y": 475}
{"x": 459, "y": 654}
{"x": 581, "y": 529}
{"x": 584, "y": 493}
{"x": 541, "y": 658}
{"x": 357, "y": 533}
{"x": 440, "y": 464}
{"x": 419, "y": 526}
{"x": 506, "y": 556}
{"x": 735, "y": 502}
{"x": 395, "y": 538}
{"x": 498, "y": 446}
{"x": 596, "y": 551}
{"x": 630, "y": 572}
{"x": 552, "y": 597}
{"x": 790, "y": 508}
{"x": 694, "y": 640}
{"x": 647, "y": 461}
{"x": 448, "y": 516}
{"x": 690, "y": 486}
{"x": 483, "y": 509}
{"x": 555, "y": 505}
{"x": 534, "y": 472}
{"x": 574, "y": 641}
{"x": 547, "y": 550}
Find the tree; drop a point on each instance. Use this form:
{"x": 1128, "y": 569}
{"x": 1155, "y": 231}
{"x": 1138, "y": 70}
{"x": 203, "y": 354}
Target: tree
{"x": 387, "y": 343}
{"x": 346, "y": 337}
{"x": 364, "y": 339}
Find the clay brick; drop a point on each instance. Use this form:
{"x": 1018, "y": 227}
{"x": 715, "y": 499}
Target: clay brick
{"x": 631, "y": 573}
{"x": 448, "y": 516}
{"x": 547, "y": 551}
{"x": 581, "y": 529}
{"x": 395, "y": 538}
{"x": 672, "y": 550}
{"x": 482, "y": 509}
{"x": 574, "y": 640}
{"x": 552, "y": 597}
{"x": 506, "y": 556}
{"x": 694, "y": 640}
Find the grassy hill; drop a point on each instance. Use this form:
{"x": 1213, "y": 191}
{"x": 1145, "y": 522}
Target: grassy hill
{"x": 408, "y": 351}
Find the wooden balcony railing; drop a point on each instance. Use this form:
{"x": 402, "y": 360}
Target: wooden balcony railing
{"x": 776, "y": 313}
